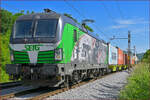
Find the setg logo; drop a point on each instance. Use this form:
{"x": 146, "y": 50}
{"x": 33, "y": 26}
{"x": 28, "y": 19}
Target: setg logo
{"x": 32, "y": 47}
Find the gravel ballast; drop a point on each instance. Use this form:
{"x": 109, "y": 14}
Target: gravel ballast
{"x": 107, "y": 87}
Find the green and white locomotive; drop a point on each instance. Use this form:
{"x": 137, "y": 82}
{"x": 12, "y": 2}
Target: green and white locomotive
{"x": 51, "y": 49}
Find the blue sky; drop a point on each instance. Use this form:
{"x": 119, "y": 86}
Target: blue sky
{"x": 112, "y": 18}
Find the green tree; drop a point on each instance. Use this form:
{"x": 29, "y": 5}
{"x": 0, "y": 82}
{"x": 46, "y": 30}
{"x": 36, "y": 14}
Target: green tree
{"x": 22, "y": 11}
{"x": 32, "y": 12}
{"x": 146, "y": 57}
{"x": 6, "y": 20}
{"x": 28, "y": 12}
{"x": 15, "y": 16}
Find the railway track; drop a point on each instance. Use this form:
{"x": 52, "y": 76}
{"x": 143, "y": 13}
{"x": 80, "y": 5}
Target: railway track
{"x": 51, "y": 93}
{"x": 10, "y": 84}
{"x": 19, "y": 93}
{"x": 46, "y": 92}
{"x": 40, "y": 92}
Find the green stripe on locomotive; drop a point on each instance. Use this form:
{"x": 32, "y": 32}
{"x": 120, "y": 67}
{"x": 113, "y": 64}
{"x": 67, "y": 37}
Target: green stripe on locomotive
{"x": 20, "y": 57}
{"x": 67, "y": 42}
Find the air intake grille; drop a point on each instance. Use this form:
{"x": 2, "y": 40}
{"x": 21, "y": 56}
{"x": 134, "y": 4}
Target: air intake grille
{"x": 43, "y": 57}
{"x": 46, "y": 57}
{"x": 21, "y": 57}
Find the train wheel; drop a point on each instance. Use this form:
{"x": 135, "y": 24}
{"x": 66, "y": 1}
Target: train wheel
{"x": 95, "y": 74}
{"x": 66, "y": 83}
{"x": 103, "y": 73}
{"x": 75, "y": 77}
{"x": 108, "y": 71}
{"x": 100, "y": 72}
{"x": 117, "y": 69}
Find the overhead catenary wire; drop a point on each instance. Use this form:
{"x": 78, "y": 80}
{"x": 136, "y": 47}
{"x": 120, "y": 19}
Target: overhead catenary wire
{"x": 109, "y": 15}
{"x": 112, "y": 18}
{"x": 76, "y": 10}
{"x": 119, "y": 10}
{"x": 85, "y": 18}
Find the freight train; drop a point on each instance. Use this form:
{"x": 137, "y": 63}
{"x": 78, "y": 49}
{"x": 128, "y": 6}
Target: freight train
{"x": 52, "y": 49}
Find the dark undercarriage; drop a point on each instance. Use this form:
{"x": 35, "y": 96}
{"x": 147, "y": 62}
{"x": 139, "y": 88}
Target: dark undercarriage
{"x": 52, "y": 75}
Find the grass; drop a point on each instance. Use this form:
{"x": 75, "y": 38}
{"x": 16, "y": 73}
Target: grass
{"x": 3, "y": 76}
{"x": 138, "y": 86}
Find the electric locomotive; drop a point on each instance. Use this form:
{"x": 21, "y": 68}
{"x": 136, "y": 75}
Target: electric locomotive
{"x": 52, "y": 49}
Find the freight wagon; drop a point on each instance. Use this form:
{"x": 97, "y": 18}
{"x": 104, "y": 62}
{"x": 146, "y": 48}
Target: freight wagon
{"x": 113, "y": 57}
{"x": 126, "y": 59}
{"x": 121, "y": 59}
{"x": 51, "y": 49}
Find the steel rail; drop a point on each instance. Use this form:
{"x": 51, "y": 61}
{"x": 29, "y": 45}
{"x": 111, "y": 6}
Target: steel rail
{"x": 51, "y": 93}
{"x": 10, "y": 84}
{"x": 14, "y": 94}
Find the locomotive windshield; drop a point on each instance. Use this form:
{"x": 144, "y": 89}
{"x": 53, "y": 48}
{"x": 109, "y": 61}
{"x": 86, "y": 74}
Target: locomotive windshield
{"x": 37, "y": 29}
{"x": 46, "y": 28}
{"x": 23, "y": 29}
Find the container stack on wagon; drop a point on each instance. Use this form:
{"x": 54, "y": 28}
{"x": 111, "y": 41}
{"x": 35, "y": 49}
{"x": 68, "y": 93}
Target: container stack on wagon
{"x": 113, "y": 57}
{"x": 121, "y": 63}
{"x": 118, "y": 59}
{"x": 132, "y": 60}
{"x": 126, "y": 59}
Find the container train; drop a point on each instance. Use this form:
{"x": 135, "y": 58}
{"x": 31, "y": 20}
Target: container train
{"x": 51, "y": 49}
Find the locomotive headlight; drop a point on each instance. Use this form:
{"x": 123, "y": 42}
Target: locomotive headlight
{"x": 58, "y": 54}
{"x": 11, "y": 56}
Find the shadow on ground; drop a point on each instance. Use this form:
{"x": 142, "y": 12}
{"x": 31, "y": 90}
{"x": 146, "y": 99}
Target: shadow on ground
{"x": 108, "y": 90}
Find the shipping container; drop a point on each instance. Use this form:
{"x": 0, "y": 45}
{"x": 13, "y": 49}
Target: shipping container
{"x": 131, "y": 58}
{"x": 113, "y": 55}
{"x": 132, "y": 61}
{"x": 120, "y": 57}
{"x": 126, "y": 59}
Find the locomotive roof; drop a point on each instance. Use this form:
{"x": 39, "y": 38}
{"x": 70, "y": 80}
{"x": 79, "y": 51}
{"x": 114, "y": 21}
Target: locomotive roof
{"x": 39, "y": 16}
{"x": 55, "y": 15}
{"x": 49, "y": 15}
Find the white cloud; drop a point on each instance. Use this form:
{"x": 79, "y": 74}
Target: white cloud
{"x": 132, "y": 21}
{"x": 118, "y": 26}
{"x": 124, "y": 23}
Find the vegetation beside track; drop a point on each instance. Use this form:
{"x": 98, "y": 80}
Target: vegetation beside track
{"x": 138, "y": 83}
{"x": 7, "y": 20}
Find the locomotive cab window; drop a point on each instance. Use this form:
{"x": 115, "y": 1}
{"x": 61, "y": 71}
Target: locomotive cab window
{"x": 75, "y": 35}
{"x": 23, "y": 29}
{"x": 46, "y": 28}
{"x": 43, "y": 28}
